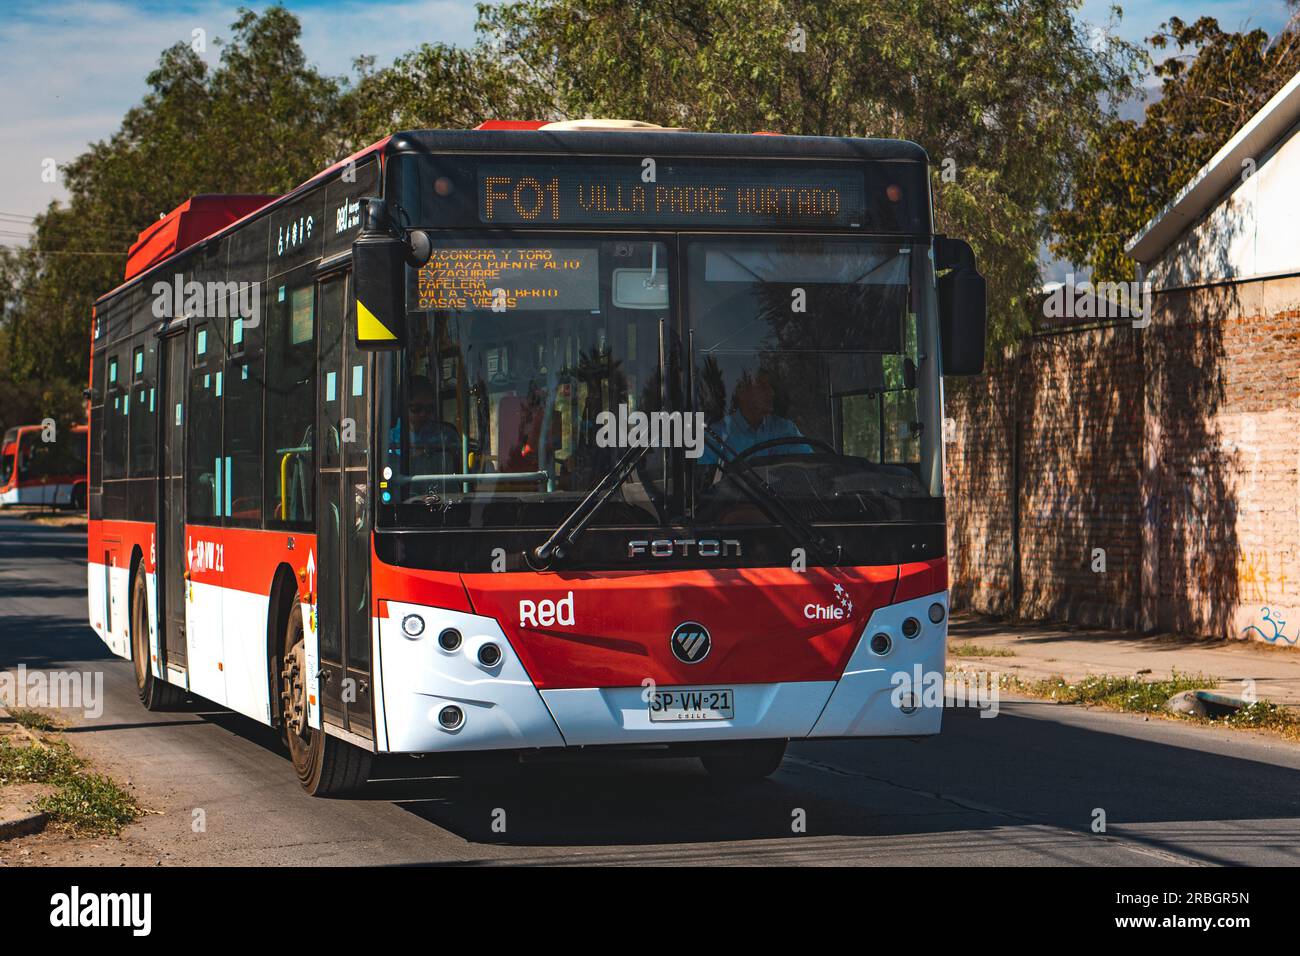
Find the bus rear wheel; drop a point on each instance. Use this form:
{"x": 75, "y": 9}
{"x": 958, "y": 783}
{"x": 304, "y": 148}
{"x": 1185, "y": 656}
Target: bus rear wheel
{"x": 751, "y": 760}
{"x": 326, "y": 766}
{"x": 155, "y": 694}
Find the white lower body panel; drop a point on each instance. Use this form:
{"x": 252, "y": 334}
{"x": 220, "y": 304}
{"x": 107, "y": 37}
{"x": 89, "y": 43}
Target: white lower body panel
{"x": 37, "y": 495}
{"x": 109, "y": 605}
{"x": 415, "y": 679}
{"x": 502, "y": 709}
{"x": 867, "y": 699}
{"x": 225, "y": 633}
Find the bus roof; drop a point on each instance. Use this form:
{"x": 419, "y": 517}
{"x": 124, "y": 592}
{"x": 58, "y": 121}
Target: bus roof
{"x": 193, "y": 220}
{"x": 524, "y": 136}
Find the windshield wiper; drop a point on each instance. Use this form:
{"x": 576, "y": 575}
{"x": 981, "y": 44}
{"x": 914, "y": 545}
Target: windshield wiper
{"x": 572, "y": 527}
{"x": 768, "y": 501}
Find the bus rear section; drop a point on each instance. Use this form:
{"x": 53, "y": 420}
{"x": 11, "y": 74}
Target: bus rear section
{"x": 44, "y": 465}
{"x": 530, "y": 452}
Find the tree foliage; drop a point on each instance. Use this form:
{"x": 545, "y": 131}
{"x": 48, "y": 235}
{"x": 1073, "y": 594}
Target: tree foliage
{"x": 260, "y": 121}
{"x": 1208, "y": 90}
{"x": 1003, "y": 94}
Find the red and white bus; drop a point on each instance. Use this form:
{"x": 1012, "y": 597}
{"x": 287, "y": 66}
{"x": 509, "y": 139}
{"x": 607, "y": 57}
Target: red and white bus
{"x": 538, "y": 437}
{"x": 44, "y": 465}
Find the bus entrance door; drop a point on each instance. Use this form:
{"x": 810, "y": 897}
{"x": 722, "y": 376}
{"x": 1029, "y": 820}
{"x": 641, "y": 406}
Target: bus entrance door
{"x": 343, "y": 539}
{"x": 171, "y": 504}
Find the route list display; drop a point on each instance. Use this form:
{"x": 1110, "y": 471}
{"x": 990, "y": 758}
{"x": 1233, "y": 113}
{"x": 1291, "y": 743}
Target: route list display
{"x": 678, "y": 195}
{"x": 503, "y": 279}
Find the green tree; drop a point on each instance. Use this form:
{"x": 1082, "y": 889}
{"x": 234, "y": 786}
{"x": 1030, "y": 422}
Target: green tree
{"x": 261, "y": 121}
{"x": 1208, "y": 91}
{"x": 1001, "y": 93}
{"x": 437, "y": 86}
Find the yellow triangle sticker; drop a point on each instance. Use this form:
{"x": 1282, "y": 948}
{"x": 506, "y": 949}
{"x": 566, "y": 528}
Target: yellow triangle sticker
{"x": 369, "y": 328}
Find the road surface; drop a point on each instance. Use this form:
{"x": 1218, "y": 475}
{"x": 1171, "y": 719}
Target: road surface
{"x": 1021, "y": 788}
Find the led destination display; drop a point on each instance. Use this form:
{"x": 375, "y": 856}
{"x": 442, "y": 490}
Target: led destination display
{"x": 682, "y": 194}
{"x": 501, "y": 279}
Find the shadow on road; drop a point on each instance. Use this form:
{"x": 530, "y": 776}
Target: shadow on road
{"x": 1035, "y": 767}
{"x": 1012, "y": 771}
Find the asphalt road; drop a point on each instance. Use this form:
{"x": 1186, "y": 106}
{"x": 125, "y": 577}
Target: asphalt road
{"x": 1021, "y": 788}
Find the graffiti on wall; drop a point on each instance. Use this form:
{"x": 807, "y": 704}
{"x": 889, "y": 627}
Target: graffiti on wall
{"x": 1256, "y": 577}
{"x": 1276, "y": 628}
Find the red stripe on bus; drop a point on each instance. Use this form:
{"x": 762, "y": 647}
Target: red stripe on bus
{"x": 614, "y": 628}
{"x": 921, "y": 578}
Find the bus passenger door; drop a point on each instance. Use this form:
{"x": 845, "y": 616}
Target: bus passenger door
{"x": 171, "y": 504}
{"x": 343, "y": 537}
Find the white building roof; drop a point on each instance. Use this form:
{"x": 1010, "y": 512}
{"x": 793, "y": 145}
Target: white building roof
{"x": 1251, "y": 142}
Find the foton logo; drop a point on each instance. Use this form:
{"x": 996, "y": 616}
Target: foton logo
{"x": 668, "y": 547}
{"x": 547, "y": 613}
{"x": 206, "y": 556}
{"x": 838, "y": 611}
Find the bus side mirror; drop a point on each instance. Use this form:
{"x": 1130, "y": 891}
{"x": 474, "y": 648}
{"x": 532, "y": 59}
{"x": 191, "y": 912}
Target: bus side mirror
{"x": 962, "y": 321}
{"x": 379, "y": 261}
{"x": 962, "y": 314}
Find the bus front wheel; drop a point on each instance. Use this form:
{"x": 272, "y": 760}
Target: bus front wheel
{"x": 326, "y": 766}
{"x": 155, "y": 694}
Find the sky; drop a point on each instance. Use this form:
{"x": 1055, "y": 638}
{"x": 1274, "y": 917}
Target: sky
{"x": 70, "y": 70}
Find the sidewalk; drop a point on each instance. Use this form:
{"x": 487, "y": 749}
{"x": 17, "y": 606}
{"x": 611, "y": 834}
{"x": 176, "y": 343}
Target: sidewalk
{"x": 1042, "y": 651}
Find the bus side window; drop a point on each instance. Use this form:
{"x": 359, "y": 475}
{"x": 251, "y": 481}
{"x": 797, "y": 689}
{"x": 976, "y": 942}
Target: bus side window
{"x": 204, "y": 472}
{"x": 115, "y": 422}
{"x": 290, "y": 455}
{"x": 142, "y": 398}
{"x": 243, "y": 419}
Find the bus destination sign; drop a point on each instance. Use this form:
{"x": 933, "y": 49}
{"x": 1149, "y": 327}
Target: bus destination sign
{"x": 500, "y": 279}
{"x": 679, "y": 194}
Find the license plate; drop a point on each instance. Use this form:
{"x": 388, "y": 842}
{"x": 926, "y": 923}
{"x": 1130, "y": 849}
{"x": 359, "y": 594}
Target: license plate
{"x": 711, "y": 704}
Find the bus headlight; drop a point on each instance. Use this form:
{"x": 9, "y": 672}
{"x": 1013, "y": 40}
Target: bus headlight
{"x": 413, "y": 626}
{"x": 451, "y": 717}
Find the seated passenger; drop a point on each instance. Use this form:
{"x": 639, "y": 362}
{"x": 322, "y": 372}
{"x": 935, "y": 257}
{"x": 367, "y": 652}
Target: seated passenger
{"x": 753, "y": 421}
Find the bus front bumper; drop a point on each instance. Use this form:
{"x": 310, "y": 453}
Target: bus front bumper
{"x": 438, "y": 700}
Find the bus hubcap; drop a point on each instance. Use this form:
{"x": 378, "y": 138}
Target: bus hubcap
{"x": 293, "y": 696}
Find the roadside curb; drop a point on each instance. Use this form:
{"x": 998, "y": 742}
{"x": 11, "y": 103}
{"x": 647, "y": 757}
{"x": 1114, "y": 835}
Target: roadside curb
{"x": 28, "y": 823}
{"x": 8, "y": 719}
{"x": 23, "y": 826}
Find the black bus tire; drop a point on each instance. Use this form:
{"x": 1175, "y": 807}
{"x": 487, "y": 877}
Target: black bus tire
{"x": 155, "y": 694}
{"x": 325, "y": 765}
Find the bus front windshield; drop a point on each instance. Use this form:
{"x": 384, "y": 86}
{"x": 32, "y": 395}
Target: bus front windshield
{"x": 532, "y": 366}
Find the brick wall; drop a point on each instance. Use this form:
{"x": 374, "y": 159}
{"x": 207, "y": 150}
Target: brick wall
{"x": 978, "y": 485}
{"x": 1226, "y": 360}
{"x": 1175, "y": 449}
{"x": 1071, "y": 402}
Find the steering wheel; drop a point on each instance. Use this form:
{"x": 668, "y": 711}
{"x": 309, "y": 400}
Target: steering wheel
{"x": 792, "y": 440}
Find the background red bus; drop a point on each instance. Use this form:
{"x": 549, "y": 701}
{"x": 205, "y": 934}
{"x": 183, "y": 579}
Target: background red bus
{"x": 34, "y": 471}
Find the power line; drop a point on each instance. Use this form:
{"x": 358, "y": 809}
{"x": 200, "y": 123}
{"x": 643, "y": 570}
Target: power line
{"x": 78, "y": 252}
